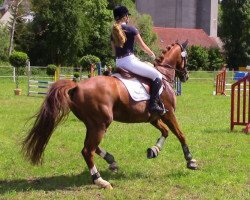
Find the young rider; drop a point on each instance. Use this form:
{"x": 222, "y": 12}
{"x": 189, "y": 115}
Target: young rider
{"x": 123, "y": 38}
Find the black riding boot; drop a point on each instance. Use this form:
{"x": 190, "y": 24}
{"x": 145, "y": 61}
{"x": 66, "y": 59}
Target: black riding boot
{"x": 155, "y": 98}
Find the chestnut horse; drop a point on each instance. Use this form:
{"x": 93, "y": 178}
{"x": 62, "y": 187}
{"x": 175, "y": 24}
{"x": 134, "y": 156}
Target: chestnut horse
{"x": 100, "y": 100}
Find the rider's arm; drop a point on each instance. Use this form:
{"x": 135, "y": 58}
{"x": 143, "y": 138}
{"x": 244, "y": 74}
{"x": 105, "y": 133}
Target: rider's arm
{"x": 143, "y": 46}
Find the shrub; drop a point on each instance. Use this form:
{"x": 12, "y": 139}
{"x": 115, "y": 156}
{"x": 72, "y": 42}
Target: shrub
{"x": 215, "y": 59}
{"x": 76, "y": 74}
{"x": 18, "y": 59}
{"x": 111, "y": 63}
{"x": 200, "y": 58}
{"x": 50, "y": 70}
{"x": 197, "y": 58}
{"x": 87, "y": 60}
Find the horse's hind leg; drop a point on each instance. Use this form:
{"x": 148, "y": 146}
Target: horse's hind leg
{"x": 154, "y": 151}
{"x": 109, "y": 158}
{"x": 93, "y": 138}
{"x": 173, "y": 125}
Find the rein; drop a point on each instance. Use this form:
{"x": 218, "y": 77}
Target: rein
{"x": 165, "y": 77}
{"x": 170, "y": 67}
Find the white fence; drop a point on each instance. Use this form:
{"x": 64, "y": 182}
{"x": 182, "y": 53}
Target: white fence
{"x": 39, "y": 72}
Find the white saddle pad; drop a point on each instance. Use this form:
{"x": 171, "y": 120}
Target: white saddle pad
{"x": 135, "y": 88}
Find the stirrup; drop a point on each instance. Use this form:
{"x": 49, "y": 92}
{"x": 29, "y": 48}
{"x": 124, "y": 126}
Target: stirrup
{"x": 159, "y": 108}
{"x": 164, "y": 109}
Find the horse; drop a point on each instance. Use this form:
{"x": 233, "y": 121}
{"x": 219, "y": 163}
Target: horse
{"x": 98, "y": 109}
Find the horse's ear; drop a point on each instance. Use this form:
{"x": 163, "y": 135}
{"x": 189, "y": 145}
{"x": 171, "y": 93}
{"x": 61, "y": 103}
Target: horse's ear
{"x": 184, "y": 45}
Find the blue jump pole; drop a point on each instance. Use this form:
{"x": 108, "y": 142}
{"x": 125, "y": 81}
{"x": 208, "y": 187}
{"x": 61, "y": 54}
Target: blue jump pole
{"x": 99, "y": 68}
{"x": 178, "y": 86}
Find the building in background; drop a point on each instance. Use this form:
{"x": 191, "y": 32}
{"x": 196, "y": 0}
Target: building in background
{"x": 6, "y": 13}
{"x": 200, "y": 15}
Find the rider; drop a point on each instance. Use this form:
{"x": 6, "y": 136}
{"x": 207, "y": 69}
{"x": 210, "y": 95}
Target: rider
{"x": 123, "y": 38}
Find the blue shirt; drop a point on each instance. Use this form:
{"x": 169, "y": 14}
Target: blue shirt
{"x": 128, "y": 47}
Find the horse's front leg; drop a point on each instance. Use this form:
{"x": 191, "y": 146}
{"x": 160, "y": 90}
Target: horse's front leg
{"x": 93, "y": 138}
{"x": 173, "y": 125}
{"x": 153, "y": 152}
{"x": 109, "y": 158}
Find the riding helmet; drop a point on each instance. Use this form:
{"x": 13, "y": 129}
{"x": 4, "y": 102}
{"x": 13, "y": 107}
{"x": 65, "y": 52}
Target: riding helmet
{"x": 120, "y": 11}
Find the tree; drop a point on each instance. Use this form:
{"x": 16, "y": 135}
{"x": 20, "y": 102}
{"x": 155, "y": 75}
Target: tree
{"x": 15, "y": 15}
{"x": 197, "y": 58}
{"x": 130, "y": 4}
{"x": 61, "y": 30}
{"x": 145, "y": 26}
{"x": 4, "y": 43}
{"x": 234, "y": 32}
{"x": 99, "y": 18}
{"x": 64, "y": 31}
{"x": 215, "y": 59}
{"x": 88, "y": 60}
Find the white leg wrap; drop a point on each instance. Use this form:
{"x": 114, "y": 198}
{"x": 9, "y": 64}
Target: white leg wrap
{"x": 103, "y": 184}
{"x": 103, "y": 153}
{"x": 160, "y": 142}
{"x": 93, "y": 170}
{"x": 192, "y": 161}
{"x": 157, "y": 149}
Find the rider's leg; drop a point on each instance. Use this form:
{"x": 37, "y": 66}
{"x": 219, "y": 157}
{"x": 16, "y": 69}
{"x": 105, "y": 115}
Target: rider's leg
{"x": 133, "y": 64}
{"x": 155, "y": 97}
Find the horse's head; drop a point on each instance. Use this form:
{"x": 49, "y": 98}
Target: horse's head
{"x": 181, "y": 65}
{"x": 173, "y": 62}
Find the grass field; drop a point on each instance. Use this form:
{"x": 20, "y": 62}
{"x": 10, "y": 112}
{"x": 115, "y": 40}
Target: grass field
{"x": 223, "y": 156}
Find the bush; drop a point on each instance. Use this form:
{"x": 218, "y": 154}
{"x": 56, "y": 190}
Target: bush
{"x": 87, "y": 60}
{"x": 50, "y": 70}
{"x": 215, "y": 59}
{"x": 18, "y": 59}
{"x": 197, "y": 58}
{"x": 111, "y": 63}
{"x": 200, "y": 58}
{"x": 76, "y": 74}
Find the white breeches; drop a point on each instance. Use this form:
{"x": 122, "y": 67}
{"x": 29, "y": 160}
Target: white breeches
{"x": 133, "y": 64}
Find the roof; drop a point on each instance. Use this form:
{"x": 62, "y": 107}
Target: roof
{"x": 168, "y": 36}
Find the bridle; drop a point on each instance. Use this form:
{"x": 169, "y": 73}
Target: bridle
{"x": 182, "y": 72}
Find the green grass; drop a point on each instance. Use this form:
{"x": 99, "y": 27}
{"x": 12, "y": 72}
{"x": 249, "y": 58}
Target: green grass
{"x": 223, "y": 156}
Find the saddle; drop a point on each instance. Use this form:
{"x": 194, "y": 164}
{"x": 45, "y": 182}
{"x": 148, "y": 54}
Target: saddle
{"x": 140, "y": 87}
{"x": 146, "y": 82}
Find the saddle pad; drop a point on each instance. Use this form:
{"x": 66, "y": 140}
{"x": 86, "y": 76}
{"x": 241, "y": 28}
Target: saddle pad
{"x": 135, "y": 88}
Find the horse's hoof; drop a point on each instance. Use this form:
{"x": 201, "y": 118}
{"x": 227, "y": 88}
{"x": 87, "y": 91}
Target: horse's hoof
{"x": 113, "y": 167}
{"x": 103, "y": 184}
{"x": 192, "y": 164}
{"x": 152, "y": 152}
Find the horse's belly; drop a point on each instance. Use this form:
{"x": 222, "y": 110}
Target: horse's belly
{"x": 134, "y": 112}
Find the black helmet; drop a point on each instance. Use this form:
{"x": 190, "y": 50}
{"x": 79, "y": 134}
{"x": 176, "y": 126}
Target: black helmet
{"x": 120, "y": 11}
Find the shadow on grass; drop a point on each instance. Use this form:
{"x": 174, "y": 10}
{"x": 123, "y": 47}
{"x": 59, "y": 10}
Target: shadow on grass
{"x": 237, "y": 130}
{"x": 62, "y": 182}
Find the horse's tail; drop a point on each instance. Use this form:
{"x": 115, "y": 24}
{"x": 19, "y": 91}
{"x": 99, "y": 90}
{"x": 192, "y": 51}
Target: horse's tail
{"x": 55, "y": 107}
